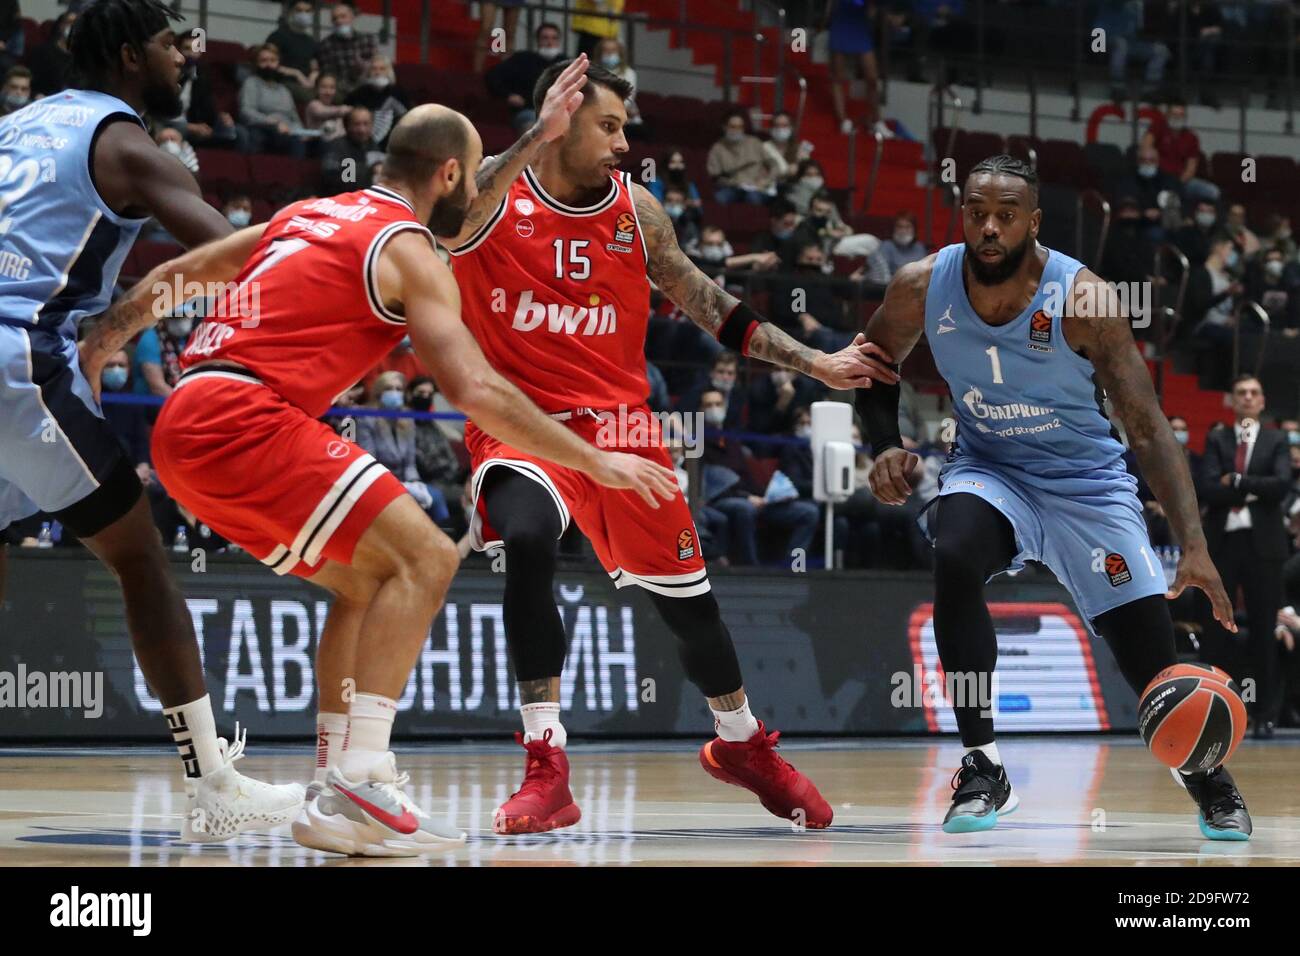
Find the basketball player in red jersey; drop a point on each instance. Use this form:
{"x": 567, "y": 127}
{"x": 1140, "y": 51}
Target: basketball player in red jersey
{"x": 339, "y": 282}
{"x": 555, "y": 263}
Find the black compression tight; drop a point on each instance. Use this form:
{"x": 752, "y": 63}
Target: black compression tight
{"x": 523, "y": 513}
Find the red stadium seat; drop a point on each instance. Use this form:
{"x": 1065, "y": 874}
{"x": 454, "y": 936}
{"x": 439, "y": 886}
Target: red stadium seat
{"x": 1061, "y": 161}
{"x": 223, "y": 165}
{"x": 274, "y": 173}
{"x": 224, "y": 51}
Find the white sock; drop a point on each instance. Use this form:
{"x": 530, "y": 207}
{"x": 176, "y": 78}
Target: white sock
{"x": 331, "y": 739}
{"x": 990, "y": 751}
{"x": 370, "y": 724}
{"x": 735, "y": 725}
{"x": 541, "y": 717}
{"x": 194, "y": 731}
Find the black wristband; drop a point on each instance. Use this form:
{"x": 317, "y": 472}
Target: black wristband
{"x": 878, "y": 408}
{"x": 738, "y": 327}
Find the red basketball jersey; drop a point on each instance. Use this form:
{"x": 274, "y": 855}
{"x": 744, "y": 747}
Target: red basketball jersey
{"x": 558, "y": 298}
{"x": 304, "y": 314}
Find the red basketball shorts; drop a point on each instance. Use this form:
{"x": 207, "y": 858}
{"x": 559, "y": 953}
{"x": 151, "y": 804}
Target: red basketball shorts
{"x": 656, "y": 548}
{"x": 265, "y": 475}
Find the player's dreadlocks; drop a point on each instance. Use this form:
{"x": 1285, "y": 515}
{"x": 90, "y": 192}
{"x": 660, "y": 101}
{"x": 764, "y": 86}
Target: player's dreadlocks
{"x": 105, "y": 25}
{"x": 1004, "y": 165}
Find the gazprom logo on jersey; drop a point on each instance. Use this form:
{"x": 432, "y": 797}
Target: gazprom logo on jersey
{"x": 566, "y": 319}
{"x": 1011, "y": 412}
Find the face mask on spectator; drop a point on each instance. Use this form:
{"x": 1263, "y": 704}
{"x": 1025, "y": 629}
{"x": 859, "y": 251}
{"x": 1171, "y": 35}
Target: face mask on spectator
{"x": 713, "y": 253}
{"x": 781, "y": 134}
{"x": 239, "y": 218}
{"x": 611, "y": 60}
{"x": 173, "y": 147}
{"x": 782, "y": 233}
{"x": 114, "y": 378}
{"x": 904, "y": 237}
{"x": 15, "y": 101}
{"x": 1230, "y": 260}
{"x": 1180, "y": 436}
{"x": 803, "y": 431}
{"x": 379, "y": 82}
{"x": 735, "y": 135}
{"x": 301, "y": 19}
{"x": 179, "y": 328}
{"x": 814, "y": 182}
{"x": 268, "y": 72}
{"x": 1273, "y": 269}
{"x": 1284, "y": 232}
{"x": 715, "y": 416}
{"x": 1293, "y": 437}
{"x": 422, "y": 403}
{"x": 674, "y": 209}
{"x": 677, "y": 170}
{"x": 343, "y": 31}
{"x": 549, "y": 52}
{"x": 721, "y": 384}
{"x": 1205, "y": 219}
{"x": 391, "y": 398}
{"x": 1147, "y": 170}
{"x": 810, "y": 267}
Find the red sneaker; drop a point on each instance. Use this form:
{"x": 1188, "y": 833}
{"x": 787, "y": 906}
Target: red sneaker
{"x": 755, "y": 765}
{"x": 544, "y": 801}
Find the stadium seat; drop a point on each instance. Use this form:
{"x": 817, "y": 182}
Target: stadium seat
{"x": 1061, "y": 161}
{"x": 223, "y": 166}
{"x": 1106, "y": 165}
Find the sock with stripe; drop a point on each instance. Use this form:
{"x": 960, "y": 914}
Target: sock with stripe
{"x": 331, "y": 739}
{"x": 194, "y": 730}
{"x": 370, "y": 724}
{"x": 735, "y": 725}
{"x": 541, "y": 717}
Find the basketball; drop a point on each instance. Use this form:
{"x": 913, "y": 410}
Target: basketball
{"x": 1192, "y": 716}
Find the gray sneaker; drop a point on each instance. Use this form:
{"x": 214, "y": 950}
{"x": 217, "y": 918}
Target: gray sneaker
{"x": 371, "y": 817}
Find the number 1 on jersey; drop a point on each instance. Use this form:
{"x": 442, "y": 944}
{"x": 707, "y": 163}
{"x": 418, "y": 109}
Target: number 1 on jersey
{"x": 992, "y": 353}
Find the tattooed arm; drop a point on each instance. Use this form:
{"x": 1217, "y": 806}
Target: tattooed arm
{"x": 708, "y": 305}
{"x": 495, "y": 175}
{"x": 1100, "y": 332}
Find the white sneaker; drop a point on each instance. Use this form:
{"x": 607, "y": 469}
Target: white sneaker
{"x": 372, "y": 817}
{"x": 883, "y": 129}
{"x": 225, "y": 802}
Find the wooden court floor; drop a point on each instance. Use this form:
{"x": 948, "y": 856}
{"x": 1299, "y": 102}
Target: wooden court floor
{"x": 1084, "y": 800}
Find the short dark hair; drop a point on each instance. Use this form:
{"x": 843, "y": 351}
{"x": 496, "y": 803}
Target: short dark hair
{"x": 1245, "y": 377}
{"x": 100, "y": 31}
{"x": 596, "y": 76}
{"x": 780, "y": 206}
{"x": 18, "y": 71}
{"x": 726, "y": 357}
{"x": 1004, "y": 165}
{"x": 547, "y": 25}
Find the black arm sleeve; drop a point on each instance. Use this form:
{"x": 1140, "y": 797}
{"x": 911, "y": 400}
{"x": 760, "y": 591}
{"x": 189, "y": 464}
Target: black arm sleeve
{"x": 878, "y": 408}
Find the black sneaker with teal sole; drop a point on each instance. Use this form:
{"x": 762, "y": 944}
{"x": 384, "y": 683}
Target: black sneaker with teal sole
{"x": 982, "y": 794}
{"x": 1223, "y": 814}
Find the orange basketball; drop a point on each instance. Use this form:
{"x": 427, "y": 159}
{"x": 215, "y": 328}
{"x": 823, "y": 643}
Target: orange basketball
{"x": 1192, "y": 716}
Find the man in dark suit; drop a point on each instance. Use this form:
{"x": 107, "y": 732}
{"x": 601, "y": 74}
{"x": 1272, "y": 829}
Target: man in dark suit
{"x": 1245, "y": 474}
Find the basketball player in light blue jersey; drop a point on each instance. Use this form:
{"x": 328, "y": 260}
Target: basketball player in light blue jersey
{"x": 1030, "y": 343}
{"x": 79, "y": 176}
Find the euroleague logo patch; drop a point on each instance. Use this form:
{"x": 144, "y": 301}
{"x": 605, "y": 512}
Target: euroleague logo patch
{"x": 685, "y": 545}
{"x": 1040, "y": 331}
{"x": 1117, "y": 569}
{"x": 625, "y": 227}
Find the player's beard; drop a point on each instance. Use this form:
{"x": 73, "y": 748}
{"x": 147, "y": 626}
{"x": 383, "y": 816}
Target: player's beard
{"x": 449, "y": 212}
{"x": 998, "y": 272}
{"x": 162, "y": 100}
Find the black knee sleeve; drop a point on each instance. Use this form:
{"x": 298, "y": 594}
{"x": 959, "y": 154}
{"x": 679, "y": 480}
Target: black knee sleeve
{"x": 1141, "y": 636}
{"x": 523, "y": 513}
{"x": 972, "y": 540}
{"x": 703, "y": 642}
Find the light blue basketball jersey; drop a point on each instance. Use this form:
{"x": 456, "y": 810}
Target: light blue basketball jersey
{"x": 1024, "y": 401}
{"x": 61, "y": 247}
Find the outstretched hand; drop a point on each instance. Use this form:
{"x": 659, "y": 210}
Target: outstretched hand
{"x": 563, "y": 99}
{"x": 856, "y": 365}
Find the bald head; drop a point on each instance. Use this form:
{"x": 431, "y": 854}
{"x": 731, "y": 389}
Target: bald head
{"x": 425, "y": 138}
